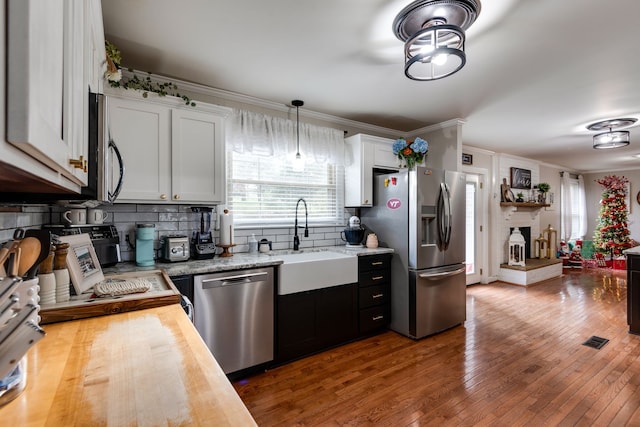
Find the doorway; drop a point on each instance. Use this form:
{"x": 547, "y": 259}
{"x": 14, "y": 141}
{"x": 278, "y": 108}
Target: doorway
{"x": 475, "y": 259}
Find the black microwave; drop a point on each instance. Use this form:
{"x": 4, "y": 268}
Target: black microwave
{"x": 101, "y": 186}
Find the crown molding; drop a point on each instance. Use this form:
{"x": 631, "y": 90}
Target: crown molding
{"x": 263, "y": 103}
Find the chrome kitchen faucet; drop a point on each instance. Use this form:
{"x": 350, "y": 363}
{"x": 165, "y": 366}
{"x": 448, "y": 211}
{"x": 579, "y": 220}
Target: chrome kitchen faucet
{"x": 296, "y": 239}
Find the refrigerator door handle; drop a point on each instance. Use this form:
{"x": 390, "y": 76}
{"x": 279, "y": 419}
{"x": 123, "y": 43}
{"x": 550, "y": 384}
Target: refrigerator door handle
{"x": 444, "y": 216}
{"x": 438, "y": 276}
{"x": 448, "y": 215}
{"x": 441, "y": 218}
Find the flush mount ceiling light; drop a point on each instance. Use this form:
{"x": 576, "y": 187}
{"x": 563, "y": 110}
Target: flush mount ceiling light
{"x": 297, "y": 103}
{"x": 611, "y": 138}
{"x": 433, "y": 32}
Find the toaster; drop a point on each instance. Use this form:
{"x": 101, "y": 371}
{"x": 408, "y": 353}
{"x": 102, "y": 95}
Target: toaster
{"x": 174, "y": 248}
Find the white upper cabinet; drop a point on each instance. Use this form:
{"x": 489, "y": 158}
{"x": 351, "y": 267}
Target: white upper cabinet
{"x": 47, "y": 93}
{"x": 172, "y": 153}
{"x": 363, "y": 154}
{"x": 197, "y": 156}
{"x": 141, "y": 130}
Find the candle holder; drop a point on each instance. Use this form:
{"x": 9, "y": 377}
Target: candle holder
{"x": 225, "y": 250}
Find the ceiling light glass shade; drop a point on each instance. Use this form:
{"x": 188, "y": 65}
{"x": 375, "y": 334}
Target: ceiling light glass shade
{"x": 612, "y": 139}
{"x": 434, "y": 52}
{"x": 433, "y": 36}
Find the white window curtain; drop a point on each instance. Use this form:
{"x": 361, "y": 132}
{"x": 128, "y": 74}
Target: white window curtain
{"x": 262, "y": 135}
{"x": 573, "y": 207}
{"x": 565, "y": 206}
{"x": 582, "y": 208}
{"x": 264, "y": 182}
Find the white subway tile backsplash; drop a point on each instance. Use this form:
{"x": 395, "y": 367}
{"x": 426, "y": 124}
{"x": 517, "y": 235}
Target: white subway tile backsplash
{"x": 168, "y": 220}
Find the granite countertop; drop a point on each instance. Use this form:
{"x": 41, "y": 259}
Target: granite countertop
{"x": 236, "y": 262}
{"x": 632, "y": 251}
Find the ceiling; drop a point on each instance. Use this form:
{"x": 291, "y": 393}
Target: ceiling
{"x": 537, "y": 72}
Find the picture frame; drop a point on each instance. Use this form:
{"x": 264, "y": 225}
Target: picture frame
{"x": 467, "y": 159}
{"x": 521, "y": 178}
{"x": 82, "y": 262}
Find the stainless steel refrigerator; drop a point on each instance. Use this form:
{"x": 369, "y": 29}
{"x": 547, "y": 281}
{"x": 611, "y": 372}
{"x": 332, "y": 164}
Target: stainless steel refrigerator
{"x": 420, "y": 213}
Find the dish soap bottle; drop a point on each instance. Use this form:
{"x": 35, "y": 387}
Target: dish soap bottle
{"x": 253, "y": 244}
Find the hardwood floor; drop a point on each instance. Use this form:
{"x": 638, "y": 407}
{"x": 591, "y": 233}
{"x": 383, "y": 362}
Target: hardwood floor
{"x": 518, "y": 360}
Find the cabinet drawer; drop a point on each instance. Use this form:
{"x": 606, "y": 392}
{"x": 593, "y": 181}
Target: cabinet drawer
{"x": 374, "y": 318}
{"x": 374, "y": 278}
{"x": 374, "y": 262}
{"x": 374, "y": 295}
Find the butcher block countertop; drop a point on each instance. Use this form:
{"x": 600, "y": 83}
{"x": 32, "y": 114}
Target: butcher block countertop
{"x": 140, "y": 368}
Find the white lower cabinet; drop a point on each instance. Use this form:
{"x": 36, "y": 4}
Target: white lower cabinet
{"x": 363, "y": 154}
{"x": 173, "y": 153}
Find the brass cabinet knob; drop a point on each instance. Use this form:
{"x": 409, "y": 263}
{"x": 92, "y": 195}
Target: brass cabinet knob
{"x": 163, "y": 196}
{"x": 176, "y": 196}
{"x": 80, "y": 163}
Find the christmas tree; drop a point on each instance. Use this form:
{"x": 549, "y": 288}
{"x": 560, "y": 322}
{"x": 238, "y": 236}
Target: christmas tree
{"x": 612, "y": 233}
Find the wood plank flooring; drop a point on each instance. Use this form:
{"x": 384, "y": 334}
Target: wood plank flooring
{"x": 518, "y": 360}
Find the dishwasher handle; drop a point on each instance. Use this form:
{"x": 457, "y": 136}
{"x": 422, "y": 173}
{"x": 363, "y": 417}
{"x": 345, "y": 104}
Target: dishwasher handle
{"x": 218, "y": 282}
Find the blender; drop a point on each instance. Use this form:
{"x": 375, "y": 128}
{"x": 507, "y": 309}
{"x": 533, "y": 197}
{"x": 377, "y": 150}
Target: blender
{"x": 202, "y": 246}
{"x": 353, "y": 234}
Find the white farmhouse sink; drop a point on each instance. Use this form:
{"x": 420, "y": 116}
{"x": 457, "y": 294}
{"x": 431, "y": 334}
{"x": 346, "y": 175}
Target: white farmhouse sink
{"x": 306, "y": 271}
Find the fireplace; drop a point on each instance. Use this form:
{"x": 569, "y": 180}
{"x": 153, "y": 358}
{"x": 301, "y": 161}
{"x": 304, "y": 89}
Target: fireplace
{"x": 528, "y": 224}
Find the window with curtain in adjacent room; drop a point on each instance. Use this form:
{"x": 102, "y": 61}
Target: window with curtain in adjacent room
{"x": 264, "y": 179}
{"x": 573, "y": 207}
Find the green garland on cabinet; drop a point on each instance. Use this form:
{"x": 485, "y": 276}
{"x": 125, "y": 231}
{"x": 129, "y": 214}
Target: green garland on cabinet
{"x": 145, "y": 84}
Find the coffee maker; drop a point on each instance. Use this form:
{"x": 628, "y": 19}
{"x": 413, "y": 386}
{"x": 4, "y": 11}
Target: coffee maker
{"x": 353, "y": 234}
{"x": 202, "y": 245}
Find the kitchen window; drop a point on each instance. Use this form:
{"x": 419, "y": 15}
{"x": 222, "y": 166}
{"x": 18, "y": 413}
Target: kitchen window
{"x": 264, "y": 182}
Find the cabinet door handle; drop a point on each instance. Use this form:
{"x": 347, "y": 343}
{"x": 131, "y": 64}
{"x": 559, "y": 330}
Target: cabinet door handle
{"x": 377, "y": 296}
{"x": 377, "y": 318}
{"x": 163, "y": 196}
{"x": 377, "y": 263}
{"x": 377, "y": 278}
{"x": 176, "y": 196}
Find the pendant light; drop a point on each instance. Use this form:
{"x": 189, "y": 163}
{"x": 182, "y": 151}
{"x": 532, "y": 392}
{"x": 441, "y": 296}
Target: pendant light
{"x": 611, "y": 138}
{"x": 433, "y": 32}
{"x": 297, "y": 103}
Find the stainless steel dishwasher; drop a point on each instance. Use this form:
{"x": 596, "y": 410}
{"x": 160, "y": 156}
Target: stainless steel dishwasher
{"x": 234, "y": 314}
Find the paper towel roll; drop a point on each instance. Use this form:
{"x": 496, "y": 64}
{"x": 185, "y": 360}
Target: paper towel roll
{"x": 226, "y": 228}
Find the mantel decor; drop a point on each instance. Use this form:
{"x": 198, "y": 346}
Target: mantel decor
{"x": 543, "y": 189}
{"x": 520, "y": 178}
